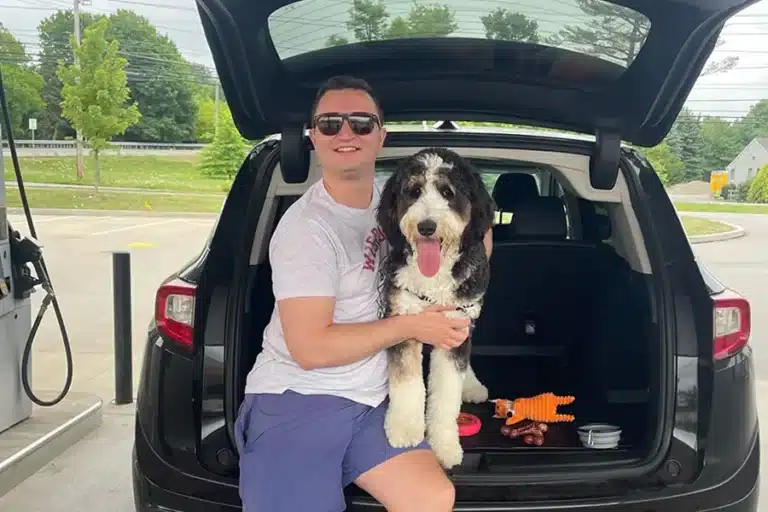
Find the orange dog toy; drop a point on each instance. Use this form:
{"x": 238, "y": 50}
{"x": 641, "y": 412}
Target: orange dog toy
{"x": 541, "y": 407}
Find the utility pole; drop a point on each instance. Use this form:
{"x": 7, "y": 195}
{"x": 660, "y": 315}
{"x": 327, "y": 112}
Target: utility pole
{"x": 79, "y": 141}
{"x": 216, "y": 118}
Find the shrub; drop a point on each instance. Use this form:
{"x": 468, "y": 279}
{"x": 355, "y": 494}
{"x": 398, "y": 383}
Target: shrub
{"x": 736, "y": 192}
{"x": 742, "y": 190}
{"x": 223, "y": 157}
{"x": 758, "y": 190}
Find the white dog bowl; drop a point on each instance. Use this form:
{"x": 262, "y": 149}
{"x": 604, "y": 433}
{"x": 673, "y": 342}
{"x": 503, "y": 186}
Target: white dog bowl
{"x": 599, "y": 436}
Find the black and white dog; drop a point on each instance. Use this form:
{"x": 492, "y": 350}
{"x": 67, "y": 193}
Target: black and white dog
{"x": 435, "y": 211}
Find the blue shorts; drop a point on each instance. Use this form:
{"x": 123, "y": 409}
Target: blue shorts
{"x": 298, "y": 452}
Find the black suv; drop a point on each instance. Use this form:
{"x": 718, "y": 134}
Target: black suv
{"x": 599, "y": 297}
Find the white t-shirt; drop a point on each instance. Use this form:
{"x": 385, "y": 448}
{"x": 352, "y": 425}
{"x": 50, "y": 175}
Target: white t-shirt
{"x": 323, "y": 248}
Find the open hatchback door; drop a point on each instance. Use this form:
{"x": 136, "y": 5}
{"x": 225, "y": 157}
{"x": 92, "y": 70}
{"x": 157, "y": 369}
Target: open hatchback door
{"x": 619, "y": 70}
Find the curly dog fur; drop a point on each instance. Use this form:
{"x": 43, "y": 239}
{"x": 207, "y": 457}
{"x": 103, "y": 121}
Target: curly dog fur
{"x": 435, "y": 211}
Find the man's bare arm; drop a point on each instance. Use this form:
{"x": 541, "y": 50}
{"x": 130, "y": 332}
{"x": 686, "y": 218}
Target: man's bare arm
{"x": 488, "y": 242}
{"x": 314, "y": 341}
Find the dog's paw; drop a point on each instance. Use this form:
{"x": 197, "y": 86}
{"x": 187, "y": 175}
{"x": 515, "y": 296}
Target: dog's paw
{"x": 446, "y": 447}
{"x": 473, "y": 392}
{"x": 404, "y": 426}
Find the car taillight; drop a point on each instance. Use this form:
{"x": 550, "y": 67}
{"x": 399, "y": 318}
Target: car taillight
{"x": 175, "y": 311}
{"x": 732, "y": 324}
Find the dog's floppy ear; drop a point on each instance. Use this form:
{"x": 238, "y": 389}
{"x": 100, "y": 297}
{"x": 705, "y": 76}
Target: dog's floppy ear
{"x": 483, "y": 207}
{"x": 387, "y": 212}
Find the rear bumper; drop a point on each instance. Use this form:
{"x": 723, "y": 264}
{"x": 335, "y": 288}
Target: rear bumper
{"x": 738, "y": 493}
{"x": 149, "y": 497}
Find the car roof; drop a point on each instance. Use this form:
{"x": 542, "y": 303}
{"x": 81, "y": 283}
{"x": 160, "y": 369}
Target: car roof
{"x": 270, "y": 83}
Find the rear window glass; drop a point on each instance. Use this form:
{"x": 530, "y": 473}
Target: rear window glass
{"x": 590, "y": 27}
{"x": 385, "y": 168}
{"x": 490, "y": 172}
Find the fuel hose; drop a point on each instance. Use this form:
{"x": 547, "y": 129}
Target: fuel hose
{"x": 43, "y": 278}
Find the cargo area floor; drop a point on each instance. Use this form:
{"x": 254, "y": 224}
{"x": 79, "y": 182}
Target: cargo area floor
{"x": 490, "y": 451}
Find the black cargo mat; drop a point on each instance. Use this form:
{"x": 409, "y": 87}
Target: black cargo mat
{"x": 559, "y": 435}
{"x": 490, "y": 451}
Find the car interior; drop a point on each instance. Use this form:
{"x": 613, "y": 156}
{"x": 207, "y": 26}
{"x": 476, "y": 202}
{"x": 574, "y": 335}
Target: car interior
{"x": 567, "y": 310}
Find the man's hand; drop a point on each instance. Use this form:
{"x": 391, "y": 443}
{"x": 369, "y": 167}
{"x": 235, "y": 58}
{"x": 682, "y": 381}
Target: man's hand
{"x": 432, "y": 327}
{"x": 314, "y": 341}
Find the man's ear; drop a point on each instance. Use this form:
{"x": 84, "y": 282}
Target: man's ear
{"x": 382, "y": 137}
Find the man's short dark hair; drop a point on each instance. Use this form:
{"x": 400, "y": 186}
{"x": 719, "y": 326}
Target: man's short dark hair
{"x": 345, "y": 82}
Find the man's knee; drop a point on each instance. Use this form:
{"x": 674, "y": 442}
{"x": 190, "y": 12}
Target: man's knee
{"x": 436, "y": 494}
{"x": 442, "y": 496}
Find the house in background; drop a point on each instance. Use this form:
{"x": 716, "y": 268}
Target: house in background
{"x": 748, "y": 162}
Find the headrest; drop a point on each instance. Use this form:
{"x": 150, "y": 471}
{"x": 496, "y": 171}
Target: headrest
{"x": 294, "y": 154}
{"x": 512, "y": 188}
{"x": 542, "y": 217}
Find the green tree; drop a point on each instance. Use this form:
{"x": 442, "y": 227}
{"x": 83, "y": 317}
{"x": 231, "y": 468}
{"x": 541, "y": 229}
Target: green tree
{"x": 617, "y": 33}
{"x": 336, "y": 40}
{"x": 754, "y": 123}
{"x": 666, "y": 163}
{"x": 161, "y": 81}
{"x": 205, "y": 118}
{"x": 510, "y": 26}
{"x": 721, "y": 143}
{"x": 224, "y": 156}
{"x": 202, "y": 81}
{"x": 368, "y": 19}
{"x": 685, "y": 140}
{"x": 23, "y": 84}
{"x": 758, "y": 190}
{"x": 368, "y": 22}
{"x": 430, "y": 20}
{"x": 398, "y": 29}
{"x": 95, "y": 95}
{"x": 205, "y": 124}
{"x": 54, "y": 33}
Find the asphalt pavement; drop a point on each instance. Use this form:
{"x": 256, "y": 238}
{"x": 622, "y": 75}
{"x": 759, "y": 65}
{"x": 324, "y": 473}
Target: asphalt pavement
{"x": 742, "y": 265}
{"x": 95, "y": 473}
{"x": 78, "y": 253}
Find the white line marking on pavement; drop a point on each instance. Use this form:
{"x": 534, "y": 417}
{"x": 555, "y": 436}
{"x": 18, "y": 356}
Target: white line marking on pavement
{"x": 134, "y": 226}
{"x": 50, "y": 219}
{"x": 38, "y": 220}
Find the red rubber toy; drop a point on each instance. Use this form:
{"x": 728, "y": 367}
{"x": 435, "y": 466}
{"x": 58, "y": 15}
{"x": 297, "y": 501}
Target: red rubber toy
{"x": 469, "y": 424}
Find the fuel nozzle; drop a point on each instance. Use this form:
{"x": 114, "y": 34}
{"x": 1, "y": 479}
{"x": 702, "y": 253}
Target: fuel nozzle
{"x": 25, "y": 250}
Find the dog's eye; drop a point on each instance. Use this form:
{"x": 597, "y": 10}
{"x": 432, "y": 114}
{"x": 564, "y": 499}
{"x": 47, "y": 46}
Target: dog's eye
{"x": 414, "y": 192}
{"x": 446, "y": 192}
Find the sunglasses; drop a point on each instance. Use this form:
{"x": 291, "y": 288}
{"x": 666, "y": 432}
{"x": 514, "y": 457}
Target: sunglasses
{"x": 361, "y": 123}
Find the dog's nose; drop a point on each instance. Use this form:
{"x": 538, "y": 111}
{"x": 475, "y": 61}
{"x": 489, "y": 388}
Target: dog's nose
{"x": 427, "y": 227}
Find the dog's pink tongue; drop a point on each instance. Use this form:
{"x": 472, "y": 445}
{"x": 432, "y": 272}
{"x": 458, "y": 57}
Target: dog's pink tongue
{"x": 429, "y": 257}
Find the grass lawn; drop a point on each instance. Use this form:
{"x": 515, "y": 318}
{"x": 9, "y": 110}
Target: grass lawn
{"x": 697, "y": 226}
{"x": 91, "y": 200}
{"x": 722, "y": 207}
{"x": 153, "y": 172}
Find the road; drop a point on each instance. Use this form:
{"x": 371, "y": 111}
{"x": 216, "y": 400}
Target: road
{"x": 97, "y": 470}
{"x": 742, "y": 264}
{"x": 78, "y": 253}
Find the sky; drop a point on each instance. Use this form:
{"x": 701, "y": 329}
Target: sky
{"x": 309, "y": 22}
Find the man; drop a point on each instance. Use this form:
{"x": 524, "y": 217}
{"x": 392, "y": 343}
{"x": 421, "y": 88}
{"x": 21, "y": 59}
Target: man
{"x": 313, "y": 417}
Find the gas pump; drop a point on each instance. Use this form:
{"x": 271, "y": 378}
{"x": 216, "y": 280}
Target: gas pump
{"x": 19, "y": 255}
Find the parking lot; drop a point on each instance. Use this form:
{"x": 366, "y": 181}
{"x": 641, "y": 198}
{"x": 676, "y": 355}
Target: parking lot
{"x": 95, "y": 473}
{"x": 78, "y": 252}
